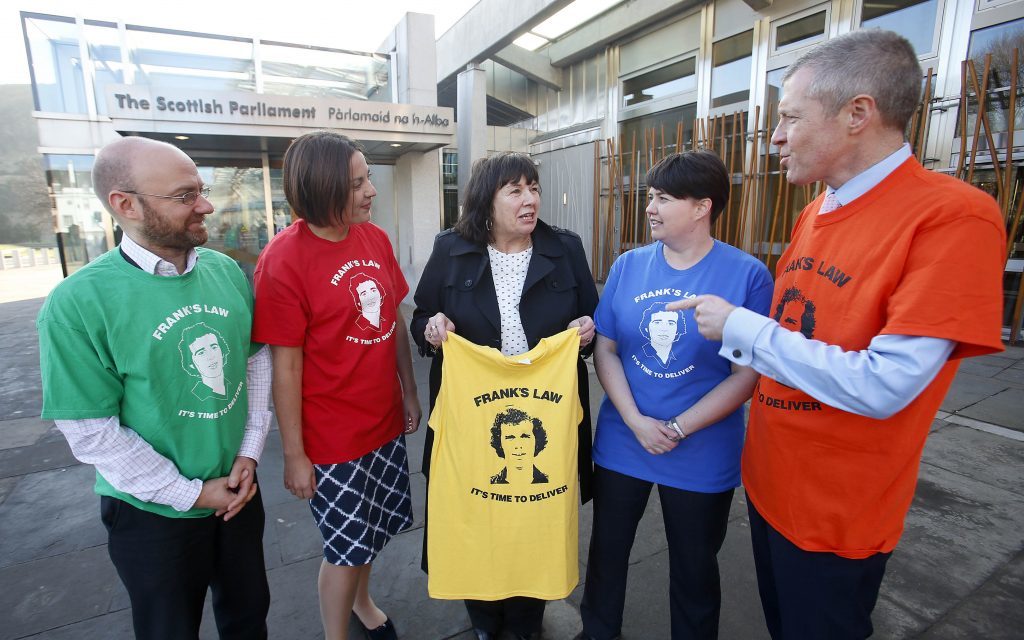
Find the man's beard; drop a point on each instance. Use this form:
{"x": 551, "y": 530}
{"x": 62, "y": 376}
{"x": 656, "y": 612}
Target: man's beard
{"x": 159, "y": 231}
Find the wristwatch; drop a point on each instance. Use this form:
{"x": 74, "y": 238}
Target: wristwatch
{"x": 673, "y": 425}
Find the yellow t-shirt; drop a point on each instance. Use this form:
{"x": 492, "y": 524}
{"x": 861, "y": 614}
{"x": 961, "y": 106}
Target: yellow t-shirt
{"x": 503, "y": 490}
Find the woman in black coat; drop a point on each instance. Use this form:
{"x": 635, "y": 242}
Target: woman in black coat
{"x": 500, "y": 232}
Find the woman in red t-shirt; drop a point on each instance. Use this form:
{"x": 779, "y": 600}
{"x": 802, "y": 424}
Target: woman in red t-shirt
{"x": 328, "y": 290}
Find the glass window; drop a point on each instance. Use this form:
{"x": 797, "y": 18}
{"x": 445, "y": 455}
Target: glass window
{"x": 800, "y": 30}
{"x": 238, "y": 227}
{"x": 674, "y": 78}
{"x": 105, "y": 56}
{"x": 175, "y": 59}
{"x": 283, "y": 215}
{"x": 730, "y": 75}
{"x": 306, "y": 71}
{"x": 912, "y": 19}
{"x": 450, "y": 180}
{"x": 773, "y": 92}
{"x": 81, "y": 220}
{"x": 999, "y": 41}
{"x": 56, "y": 64}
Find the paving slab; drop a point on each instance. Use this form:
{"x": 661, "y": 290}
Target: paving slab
{"x": 1005, "y": 409}
{"x": 56, "y": 591}
{"x": 968, "y": 389}
{"x": 975, "y": 454}
{"x": 20, "y": 384}
{"x": 6, "y": 487}
{"x": 979, "y": 367}
{"x": 958, "y": 533}
{"x": 111, "y": 626}
{"x": 1011, "y": 376}
{"x": 993, "y": 612}
{"x": 39, "y": 457}
{"x": 50, "y": 513}
{"x": 23, "y": 432}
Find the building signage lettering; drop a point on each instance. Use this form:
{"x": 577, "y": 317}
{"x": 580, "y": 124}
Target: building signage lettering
{"x": 149, "y": 103}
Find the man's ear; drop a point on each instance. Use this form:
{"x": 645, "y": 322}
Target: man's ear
{"x": 124, "y": 206}
{"x": 862, "y": 110}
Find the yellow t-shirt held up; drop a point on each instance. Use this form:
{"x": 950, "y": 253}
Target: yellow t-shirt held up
{"x": 503, "y": 490}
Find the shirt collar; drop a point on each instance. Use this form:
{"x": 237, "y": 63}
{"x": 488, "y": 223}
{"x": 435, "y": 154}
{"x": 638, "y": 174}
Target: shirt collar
{"x": 152, "y": 263}
{"x": 868, "y": 179}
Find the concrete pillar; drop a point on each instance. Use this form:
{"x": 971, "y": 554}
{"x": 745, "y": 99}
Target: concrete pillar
{"x": 417, "y": 175}
{"x": 471, "y": 127}
{"x": 418, "y": 200}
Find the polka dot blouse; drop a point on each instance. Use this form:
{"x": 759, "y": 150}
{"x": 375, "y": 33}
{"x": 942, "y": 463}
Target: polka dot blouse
{"x": 509, "y": 273}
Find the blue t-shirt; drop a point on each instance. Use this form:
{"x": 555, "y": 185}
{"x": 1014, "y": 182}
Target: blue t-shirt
{"x": 669, "y": 366}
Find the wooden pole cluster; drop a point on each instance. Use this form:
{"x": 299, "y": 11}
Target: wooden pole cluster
{"x": 763, "y": 206}
{"x": 975, "y": 91}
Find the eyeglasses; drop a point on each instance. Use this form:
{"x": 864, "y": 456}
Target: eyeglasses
{"x": 186, "y": 199}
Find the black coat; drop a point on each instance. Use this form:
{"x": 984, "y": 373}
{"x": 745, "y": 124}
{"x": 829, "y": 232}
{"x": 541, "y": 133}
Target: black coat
{"x": 559, "y": 288}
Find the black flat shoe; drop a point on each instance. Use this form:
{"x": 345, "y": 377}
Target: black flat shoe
{"x": 480, "y": 634}
{"x": 385, "y": 631}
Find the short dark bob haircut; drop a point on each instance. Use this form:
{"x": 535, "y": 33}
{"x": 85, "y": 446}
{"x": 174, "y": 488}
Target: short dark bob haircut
{"x": 317, "y": 182}
{"x": 489, "y": 175}
{"x": 693, "y": 174}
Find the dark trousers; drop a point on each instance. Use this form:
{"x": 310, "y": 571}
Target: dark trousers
{"x": 812, "y": 594}
{"x": 520, "y": 616}
{"x": 695, "y": 525}
{"x": 167, "y": 564}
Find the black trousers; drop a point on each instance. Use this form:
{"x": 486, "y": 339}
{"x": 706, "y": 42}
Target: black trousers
{"x": 518, "y": 615}
{"x": 812, "y": 594}
{"x": 695, "y": 526}
{"x": 167, "y": 565}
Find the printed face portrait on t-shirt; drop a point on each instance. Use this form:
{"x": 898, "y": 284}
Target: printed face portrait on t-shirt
{"x": 518, "y": 438}
{"x": 795, "y": 312}
{"x": 663, "y": 329}
{"x": 368, "y": 295}
{"x": 203, "y": 355}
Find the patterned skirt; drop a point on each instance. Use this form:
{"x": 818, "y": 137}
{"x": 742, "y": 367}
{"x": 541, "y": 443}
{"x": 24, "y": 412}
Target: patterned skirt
{"x": 360, "y": 505}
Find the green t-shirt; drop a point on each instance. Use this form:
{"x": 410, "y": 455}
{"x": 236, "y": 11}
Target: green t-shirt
{"x": 167, "y": 355}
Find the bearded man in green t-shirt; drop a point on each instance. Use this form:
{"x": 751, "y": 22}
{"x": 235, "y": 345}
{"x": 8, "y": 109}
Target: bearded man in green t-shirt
{"x": 143, "y": 371}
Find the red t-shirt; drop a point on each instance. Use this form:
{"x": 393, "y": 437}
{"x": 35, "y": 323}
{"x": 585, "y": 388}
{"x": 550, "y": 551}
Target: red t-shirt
{"x": 338, "y": 301}
{"x": 921, "y": 254}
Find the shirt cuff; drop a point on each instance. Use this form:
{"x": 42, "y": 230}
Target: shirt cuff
{"x": 255, "y": 435}
{"x": 741, "y": 330}
{"x": 180, "y": 494}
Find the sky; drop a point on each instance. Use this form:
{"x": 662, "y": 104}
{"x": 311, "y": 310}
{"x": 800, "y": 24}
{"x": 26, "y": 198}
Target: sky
{"x": 343, "y": 24}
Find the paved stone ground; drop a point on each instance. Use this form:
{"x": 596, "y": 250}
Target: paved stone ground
{"x": 958, "y": 573}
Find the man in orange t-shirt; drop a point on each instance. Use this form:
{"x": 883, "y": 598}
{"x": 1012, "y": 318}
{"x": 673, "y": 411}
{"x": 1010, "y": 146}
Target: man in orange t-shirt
{"x": 892, "y": 276}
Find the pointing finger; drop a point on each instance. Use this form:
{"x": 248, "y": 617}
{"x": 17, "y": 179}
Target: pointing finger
{"x": 684, "y": 304}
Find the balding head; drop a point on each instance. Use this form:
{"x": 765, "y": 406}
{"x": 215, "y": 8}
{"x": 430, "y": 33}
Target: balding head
{"x": 120, "y": 165}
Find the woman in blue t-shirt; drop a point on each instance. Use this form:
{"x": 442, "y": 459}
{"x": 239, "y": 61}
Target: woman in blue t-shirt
{"x": 673, "y": 411}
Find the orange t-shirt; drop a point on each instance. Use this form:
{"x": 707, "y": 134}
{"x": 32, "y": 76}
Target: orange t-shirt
{"x": 920, "y": 254}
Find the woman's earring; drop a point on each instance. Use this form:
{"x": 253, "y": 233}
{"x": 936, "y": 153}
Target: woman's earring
{"x": 488, "y": 224}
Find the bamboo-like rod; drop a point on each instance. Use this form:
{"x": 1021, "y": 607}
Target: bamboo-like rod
{"x": 732, "y": 171}
{"x": 765, "y": 156}
{"x": 913, "y": 133}
{"x": 595, "y": 225}
{"x": 1011, "y": 120}
{"x": 963, "y": 121}
{"x": 1014, "y": 225}
{"x": 633, "y": 193}
{"x": 925, "y": 112}
{"x": 1018, "y": 306}
{"x": 983, "y": 125}
{"x": 748, "y": 179}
